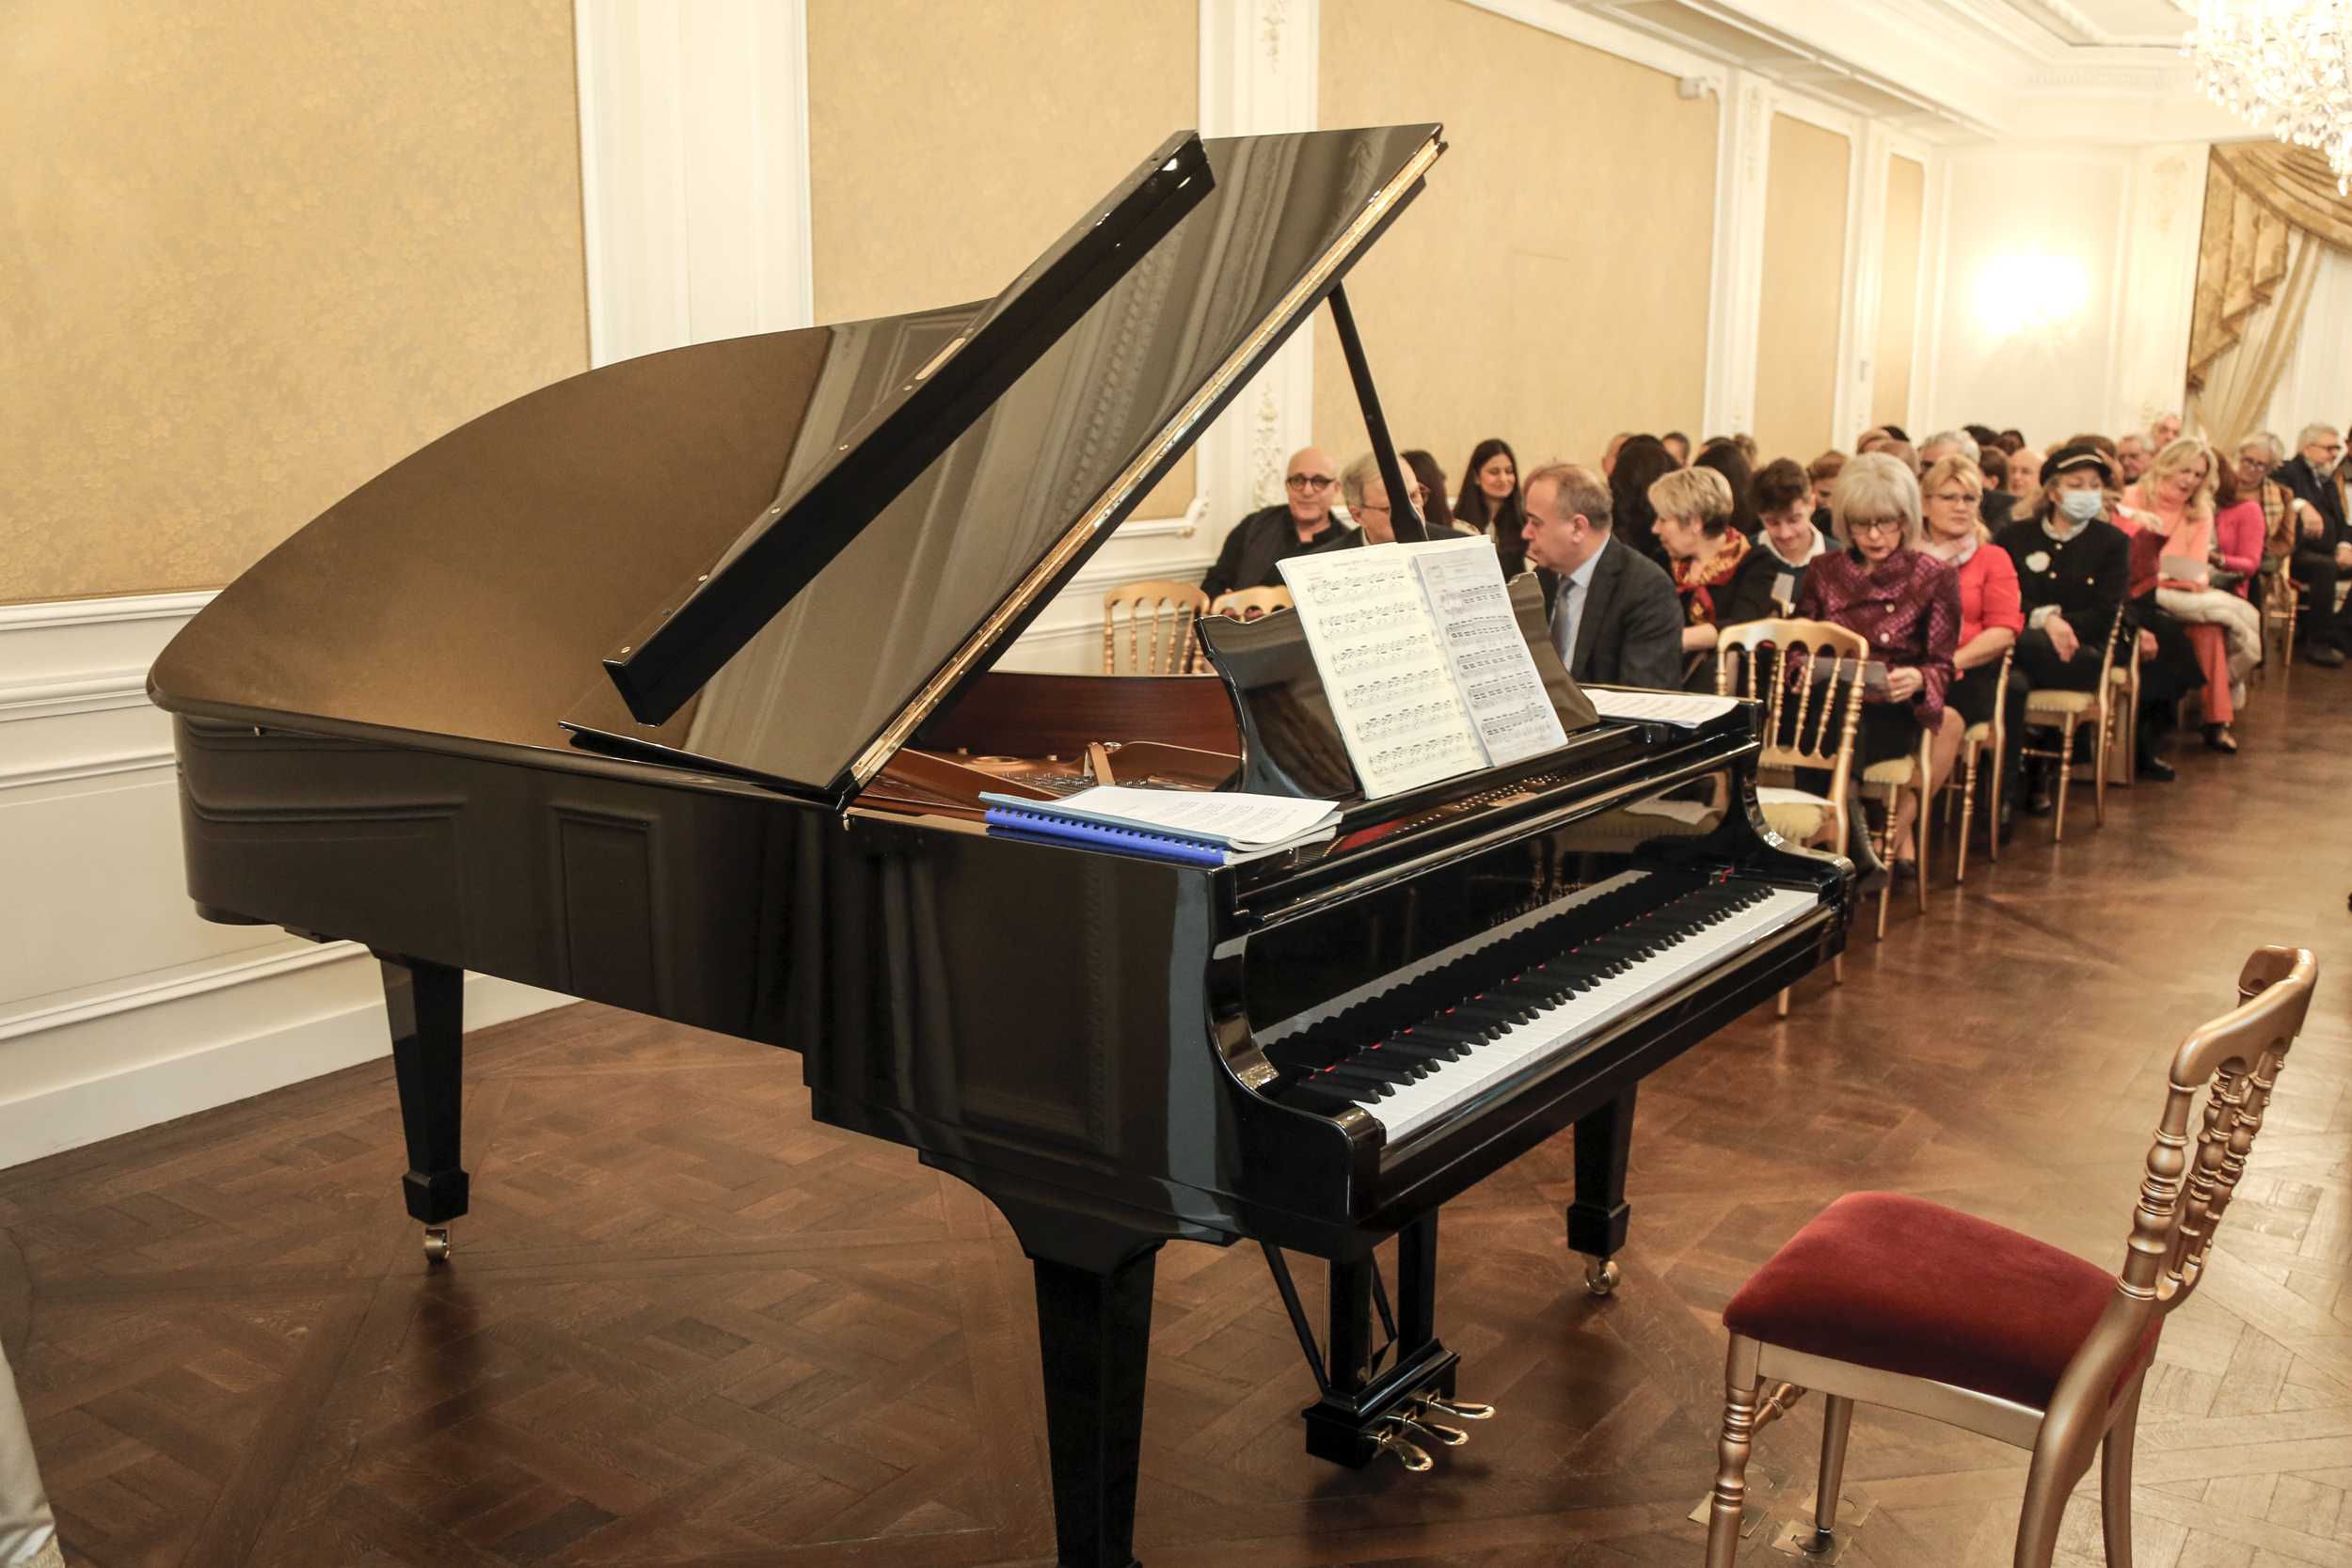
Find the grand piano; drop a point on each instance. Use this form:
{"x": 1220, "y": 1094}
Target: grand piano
{"x": 671, "y": 685}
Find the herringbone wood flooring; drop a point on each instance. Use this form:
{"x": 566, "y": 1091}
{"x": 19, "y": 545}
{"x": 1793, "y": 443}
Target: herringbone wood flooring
{"x": 686, "y": 1325}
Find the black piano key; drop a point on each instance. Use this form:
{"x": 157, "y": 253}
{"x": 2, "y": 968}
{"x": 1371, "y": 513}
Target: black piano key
{"x": 1364, "y": 1085}
{"x": 1436, "y": 1055}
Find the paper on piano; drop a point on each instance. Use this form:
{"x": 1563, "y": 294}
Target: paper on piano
{"x": 1659, "y": 707}
{"x": 1375, "y": 646}
{"x": 1225, "y": 821}
{"x": 1494, "y": 674}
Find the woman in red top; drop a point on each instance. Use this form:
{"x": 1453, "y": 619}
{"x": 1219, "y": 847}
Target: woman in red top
{"x": 2178, "y": 489}
{"x": 1991, "y": 617}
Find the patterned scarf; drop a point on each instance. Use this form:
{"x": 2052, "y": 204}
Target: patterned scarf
{"x": 1694, "y": 578}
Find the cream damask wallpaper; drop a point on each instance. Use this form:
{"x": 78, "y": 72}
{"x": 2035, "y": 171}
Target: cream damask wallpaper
{"x": 1549, "y": 286}
{"x": 251, "y": 254}
{"x": 1800, "y": 296}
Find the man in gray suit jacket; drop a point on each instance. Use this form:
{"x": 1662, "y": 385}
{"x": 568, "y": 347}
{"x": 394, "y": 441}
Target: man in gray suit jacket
{"x": 1616, "y": 617}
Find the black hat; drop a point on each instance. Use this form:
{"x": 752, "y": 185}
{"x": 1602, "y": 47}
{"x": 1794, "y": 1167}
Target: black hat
{"x": 2067, "y": 459}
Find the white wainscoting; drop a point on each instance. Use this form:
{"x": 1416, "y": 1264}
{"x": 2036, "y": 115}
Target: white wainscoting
{"x": 119, "y": 1008}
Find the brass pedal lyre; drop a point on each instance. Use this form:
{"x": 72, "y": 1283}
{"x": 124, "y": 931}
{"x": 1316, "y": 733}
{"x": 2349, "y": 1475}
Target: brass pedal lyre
{"x": 1461, "y": 1410}
{"x": 1412, "y": 1455}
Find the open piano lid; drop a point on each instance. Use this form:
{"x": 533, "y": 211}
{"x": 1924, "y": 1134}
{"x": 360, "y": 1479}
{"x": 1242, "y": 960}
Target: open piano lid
{"x": 917, "y": 489}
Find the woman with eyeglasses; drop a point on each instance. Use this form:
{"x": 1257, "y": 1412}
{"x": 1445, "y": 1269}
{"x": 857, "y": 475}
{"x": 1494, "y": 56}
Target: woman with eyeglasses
{"x": 1490, "y": 502}
{"x": 1990, "y": 615}
{"x": 1906, "y": 605}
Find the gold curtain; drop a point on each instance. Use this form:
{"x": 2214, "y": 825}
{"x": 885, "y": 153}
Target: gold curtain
{"x": 2269, "y": 208}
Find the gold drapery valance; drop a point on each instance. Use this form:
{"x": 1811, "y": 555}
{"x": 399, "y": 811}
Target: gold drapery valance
{"x": 2294, "y": 184}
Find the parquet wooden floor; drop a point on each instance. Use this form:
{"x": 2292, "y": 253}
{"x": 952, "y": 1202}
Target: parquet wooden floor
{"x": 686, "y": 1326}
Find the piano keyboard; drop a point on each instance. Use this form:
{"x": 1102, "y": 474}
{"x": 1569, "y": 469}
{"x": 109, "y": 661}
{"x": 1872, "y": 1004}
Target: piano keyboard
{"x": 1421, "y": 1074}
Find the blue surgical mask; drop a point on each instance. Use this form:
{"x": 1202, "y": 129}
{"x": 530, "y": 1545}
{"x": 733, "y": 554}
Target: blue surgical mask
{"x": 2080, "y": 506}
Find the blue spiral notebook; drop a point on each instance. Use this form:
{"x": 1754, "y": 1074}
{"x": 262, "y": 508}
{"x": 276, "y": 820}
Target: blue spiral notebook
{"x": 1006, "y": 822}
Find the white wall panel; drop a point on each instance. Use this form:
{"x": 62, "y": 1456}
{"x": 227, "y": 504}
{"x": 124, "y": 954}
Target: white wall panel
{"x": 119, "y": 1006}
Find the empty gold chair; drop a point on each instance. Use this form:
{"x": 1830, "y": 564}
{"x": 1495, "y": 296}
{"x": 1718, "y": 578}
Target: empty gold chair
{"x": 1247, "y": 604}
{"x": 1157, "y": 618}
{"x": 1894, "y": 1301}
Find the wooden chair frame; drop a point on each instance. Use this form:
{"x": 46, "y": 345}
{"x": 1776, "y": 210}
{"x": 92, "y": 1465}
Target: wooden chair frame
{"x": 1973, "y": 749}
{"x": 2100, "y": 712}
{"x": 1801, "y": 642}
{"x": 1238, "y": 603}
{"x": 2233, "y": 1061}
{"x": 1922, "y": 760}
{"x": 1158, "y": 617}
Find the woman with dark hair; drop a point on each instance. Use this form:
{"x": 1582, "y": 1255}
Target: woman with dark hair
{"x": 1724, "y": 456}
{"x": 1642, "y": 462}
{"x": 1490, "y": 502}
{"x": 1434, "y": 511}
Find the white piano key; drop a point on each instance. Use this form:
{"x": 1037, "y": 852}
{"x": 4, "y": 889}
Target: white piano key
{"x": 1558, "y": 1030}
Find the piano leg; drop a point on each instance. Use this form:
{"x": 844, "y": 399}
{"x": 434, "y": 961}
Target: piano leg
{"x": 427, "y": 1004}
{"x": 1095, "y": 1333}
{"x": 1597, "y": 1220}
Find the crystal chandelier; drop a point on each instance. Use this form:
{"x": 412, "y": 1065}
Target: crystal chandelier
{"x": 2286, "y": 61}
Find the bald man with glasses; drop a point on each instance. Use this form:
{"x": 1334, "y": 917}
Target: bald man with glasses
{"x": 1301, "y": 524}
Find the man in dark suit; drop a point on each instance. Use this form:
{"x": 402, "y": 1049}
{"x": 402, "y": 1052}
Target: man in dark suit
{"x": 1614, "y": 618}
{"x": 2323, "y": 539}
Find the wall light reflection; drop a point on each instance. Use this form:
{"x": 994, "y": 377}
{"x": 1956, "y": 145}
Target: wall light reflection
{"x": 2032, "y": 293}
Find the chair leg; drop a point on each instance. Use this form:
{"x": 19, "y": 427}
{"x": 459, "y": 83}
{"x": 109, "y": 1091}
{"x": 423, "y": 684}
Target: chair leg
{"x": 2065, "y": 784}
{"x": 2099, "y": 778}
{"x": 1780, "y": 1008}
{"x": 1920, "y": 821}
{"x": 1838, "y": 970}
{"x": 1743, "y": 1392}
{"x": 1968, "y": 813}
{"x": 1837, "y": 1420}
{"x": 1998, "y": 749}
{"x": 2115, "y": 1478}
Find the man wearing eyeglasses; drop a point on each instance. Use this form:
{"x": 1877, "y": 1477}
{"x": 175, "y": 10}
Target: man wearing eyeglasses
{"x": 1366, "y": 494}
{"x": 1303, "y": 523}
{"x": 2323, "y": 542}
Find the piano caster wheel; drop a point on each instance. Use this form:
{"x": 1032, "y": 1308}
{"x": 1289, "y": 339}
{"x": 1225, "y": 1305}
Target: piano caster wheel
{"x": 1600, "y": 1276}
{"x": 437, "y": 1243}
{"x": 1412, "y": 1456}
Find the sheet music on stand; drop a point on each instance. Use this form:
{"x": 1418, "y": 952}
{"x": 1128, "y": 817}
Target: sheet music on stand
{"x": 1377, "y": 649}
{"x": 1493, "y": 671}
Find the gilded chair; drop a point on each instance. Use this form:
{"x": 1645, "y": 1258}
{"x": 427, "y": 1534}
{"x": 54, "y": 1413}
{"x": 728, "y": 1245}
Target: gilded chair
{"x": 1806, "y": 724}
{"x": 1977, "y": 742}
{"x": 1895, "y": 1301}
{"x": 2282, "y": 601}
{"x": 2123, "y": 675}
{"x": 1157, "y": 618}
{"x": 1248, "y": 604}
{"x": 2070, "y": 711}
{"x": 1889, "y": 782}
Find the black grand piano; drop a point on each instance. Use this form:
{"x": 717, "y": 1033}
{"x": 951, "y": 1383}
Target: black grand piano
{"x": 670, "y": 686}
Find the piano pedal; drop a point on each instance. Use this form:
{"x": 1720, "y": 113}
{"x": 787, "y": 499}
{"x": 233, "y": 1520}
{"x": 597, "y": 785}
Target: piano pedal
{"x": 1461, "y": 1410}
{"x": 1453, "y": 1437}
{"x": 1412, "y": 1455}
{"x": 436, "y": 1247}
{"x": 1600, "y": 1276}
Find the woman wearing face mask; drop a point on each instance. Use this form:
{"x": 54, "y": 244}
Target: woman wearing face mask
{"x": 1905, "y": 603}
{"x": 2178, "y": 489}
{"x": 1989, "y": 617}
{"x": 1768, "y": 577}
{"x": 2074, "y": 567}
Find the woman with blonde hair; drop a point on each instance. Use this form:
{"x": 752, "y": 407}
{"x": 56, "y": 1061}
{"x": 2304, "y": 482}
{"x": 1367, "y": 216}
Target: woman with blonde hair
{"x": 1990, "y": 615}
{"x": 2177, "y": 521}
{"x": 1704, "y": 551}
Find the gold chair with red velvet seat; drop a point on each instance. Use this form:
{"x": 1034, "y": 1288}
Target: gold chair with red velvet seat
{"x": 1895, "y": 1301}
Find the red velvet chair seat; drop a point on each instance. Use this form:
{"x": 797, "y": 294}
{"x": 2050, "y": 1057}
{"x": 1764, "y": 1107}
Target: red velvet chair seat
{"x": 1905, "y": 1286}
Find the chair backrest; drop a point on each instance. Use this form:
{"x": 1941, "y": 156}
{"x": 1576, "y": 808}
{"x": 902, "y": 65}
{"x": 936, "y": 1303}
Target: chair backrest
{"x": 1248, "y": 604}
{"x": 1807, "y": 674}
{"x": 1157, "y": 617}
{"x": 2233, "y": 1061}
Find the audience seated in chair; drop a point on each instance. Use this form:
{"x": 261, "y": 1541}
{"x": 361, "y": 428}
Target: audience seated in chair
{"x": 1366, "y": 494}
{"x": 2323, "y": 540}
{"x": 1264, "y": 538}
{"x": 2074, "y": 567}
{"x": 1615, "y": 617}
{"x": 1989, "y": 617}
{"x": 1492, "y": 503}
{"x": 1768, "y": 577}
{"x": 2179, "y": 490}
{"x": 1905, "y": 604}
{"x": 1693, "y": 509}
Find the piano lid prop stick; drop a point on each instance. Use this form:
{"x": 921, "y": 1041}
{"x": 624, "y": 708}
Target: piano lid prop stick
{"x": 1403, "y": 516}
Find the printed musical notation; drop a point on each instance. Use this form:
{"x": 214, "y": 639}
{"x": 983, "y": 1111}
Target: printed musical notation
{"x": 1375, "y": 646}
{"x": 1500, "y": 686}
